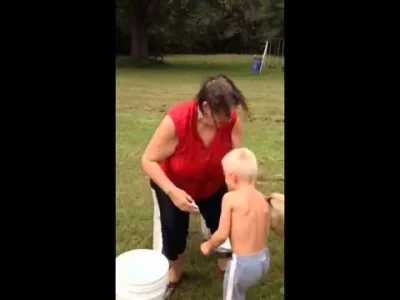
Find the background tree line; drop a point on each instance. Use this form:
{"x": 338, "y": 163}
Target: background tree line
{"x": 196, "y": 26}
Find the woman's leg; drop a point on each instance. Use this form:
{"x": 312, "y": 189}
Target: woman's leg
{"x": 210, "y": 209}
{"x": 174, "y": 230}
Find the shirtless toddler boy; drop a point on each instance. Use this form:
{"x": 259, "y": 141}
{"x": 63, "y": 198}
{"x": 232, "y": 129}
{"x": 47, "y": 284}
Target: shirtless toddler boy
{"x": 245, "y": 220}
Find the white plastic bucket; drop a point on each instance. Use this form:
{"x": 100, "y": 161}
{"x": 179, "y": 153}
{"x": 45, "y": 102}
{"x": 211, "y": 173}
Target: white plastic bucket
{"x": 141, "y": 274}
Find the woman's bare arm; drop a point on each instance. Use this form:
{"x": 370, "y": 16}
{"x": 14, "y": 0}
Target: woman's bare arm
{"x": 161, "y": 146}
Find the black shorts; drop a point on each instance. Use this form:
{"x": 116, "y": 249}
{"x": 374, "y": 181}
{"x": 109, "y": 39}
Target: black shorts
{"x": 175, "y": 223}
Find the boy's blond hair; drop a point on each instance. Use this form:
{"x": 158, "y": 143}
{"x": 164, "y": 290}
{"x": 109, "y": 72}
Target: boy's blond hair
{"x": 242, "y": 162}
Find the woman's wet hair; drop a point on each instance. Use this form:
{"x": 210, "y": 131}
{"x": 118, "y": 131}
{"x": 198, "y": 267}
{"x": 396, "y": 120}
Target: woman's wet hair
{"x": 221, "y": 94}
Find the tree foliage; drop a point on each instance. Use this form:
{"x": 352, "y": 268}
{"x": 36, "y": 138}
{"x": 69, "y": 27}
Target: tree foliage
{"x": 197, "y": 26}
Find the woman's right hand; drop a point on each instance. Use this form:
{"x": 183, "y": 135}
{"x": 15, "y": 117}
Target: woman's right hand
{"x": 183, "y": 201}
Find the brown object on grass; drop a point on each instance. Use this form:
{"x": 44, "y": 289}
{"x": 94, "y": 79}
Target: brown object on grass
{"x": 277, "y": 203}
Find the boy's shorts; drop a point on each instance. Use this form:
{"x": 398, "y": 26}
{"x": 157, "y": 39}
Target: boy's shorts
{"x": 243, "y": 272}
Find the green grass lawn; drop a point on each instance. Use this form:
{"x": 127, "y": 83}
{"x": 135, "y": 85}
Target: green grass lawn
{"x": 143, "y": 95}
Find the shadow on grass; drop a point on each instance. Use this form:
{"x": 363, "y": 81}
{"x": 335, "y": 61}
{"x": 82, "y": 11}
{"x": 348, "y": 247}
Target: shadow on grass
{"x": 238, "y": 66}
{"x": 129, "y": 63}
{"x": 125, "y": 62}
{"x": 186, "y": 64}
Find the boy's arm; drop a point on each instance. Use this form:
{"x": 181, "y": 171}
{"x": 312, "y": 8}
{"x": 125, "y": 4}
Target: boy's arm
{"x": 224, "y": 228}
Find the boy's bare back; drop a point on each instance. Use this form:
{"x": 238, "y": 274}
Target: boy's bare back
{"x": 249, "y": 221}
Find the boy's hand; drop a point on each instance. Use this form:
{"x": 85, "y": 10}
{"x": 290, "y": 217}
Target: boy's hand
{"x": 205, "y": 248}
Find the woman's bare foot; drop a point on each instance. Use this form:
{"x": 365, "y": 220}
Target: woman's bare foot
{"x": 176, "y": 269}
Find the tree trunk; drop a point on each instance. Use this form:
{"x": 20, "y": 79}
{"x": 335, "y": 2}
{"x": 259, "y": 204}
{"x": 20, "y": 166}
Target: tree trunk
{"x": 139, "y": 47}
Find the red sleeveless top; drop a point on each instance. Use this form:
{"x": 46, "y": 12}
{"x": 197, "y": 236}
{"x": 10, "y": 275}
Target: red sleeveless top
{"x": 193, "y": 167}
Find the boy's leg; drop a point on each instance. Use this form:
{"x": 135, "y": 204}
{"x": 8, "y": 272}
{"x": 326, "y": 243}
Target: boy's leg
{"x": 226, "y": 281}
{"x": 231, "y": 289}
{"x": 244, "y": 275}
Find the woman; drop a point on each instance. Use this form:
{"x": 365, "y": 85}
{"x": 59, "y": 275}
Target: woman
{"x": 183, "y": 161}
